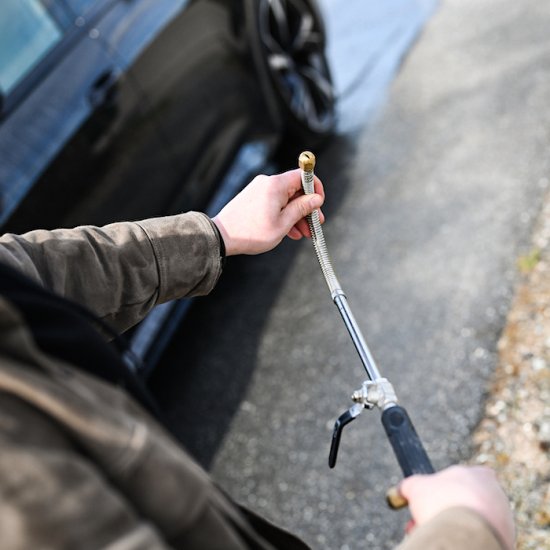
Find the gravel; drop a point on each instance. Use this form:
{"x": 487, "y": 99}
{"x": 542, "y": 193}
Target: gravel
{"x": 514, "y": 434}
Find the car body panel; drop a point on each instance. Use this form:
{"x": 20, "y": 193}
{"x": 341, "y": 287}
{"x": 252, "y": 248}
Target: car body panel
{"x": 221, "y": 111}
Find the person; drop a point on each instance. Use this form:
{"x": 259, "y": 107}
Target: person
{"x": 84, "y": 463}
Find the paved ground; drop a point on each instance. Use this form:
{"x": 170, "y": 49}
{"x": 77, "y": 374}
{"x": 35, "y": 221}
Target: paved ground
{"x": 429, "y": 205}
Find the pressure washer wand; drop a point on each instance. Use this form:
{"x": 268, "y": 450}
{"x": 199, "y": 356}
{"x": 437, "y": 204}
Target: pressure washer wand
{"x": 377, "y": 391}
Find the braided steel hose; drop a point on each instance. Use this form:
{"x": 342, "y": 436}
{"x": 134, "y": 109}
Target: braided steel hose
{"x": 307, "y": 165}
{"x": 306, "y": 161}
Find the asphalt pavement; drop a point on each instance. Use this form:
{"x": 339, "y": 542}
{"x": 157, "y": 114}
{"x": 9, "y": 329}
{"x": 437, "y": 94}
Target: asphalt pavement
{"x": 433, "y": 185}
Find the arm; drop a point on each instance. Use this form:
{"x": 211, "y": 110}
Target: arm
{"x": 122, "y": 270}
{"x": 459, "y": 507}
{"x": 55, "y": 495}
{"x": 88, "y": 512}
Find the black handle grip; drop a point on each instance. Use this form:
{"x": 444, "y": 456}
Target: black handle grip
{"x": 406, "y": 444}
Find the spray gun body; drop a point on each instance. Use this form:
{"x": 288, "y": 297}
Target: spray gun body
{"x": 377, "y": 391}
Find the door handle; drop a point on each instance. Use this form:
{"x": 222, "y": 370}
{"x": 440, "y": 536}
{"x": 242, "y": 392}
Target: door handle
{"x": 104, "y": 90}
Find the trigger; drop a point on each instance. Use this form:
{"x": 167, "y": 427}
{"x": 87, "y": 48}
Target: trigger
{"x": 339, "y": 425}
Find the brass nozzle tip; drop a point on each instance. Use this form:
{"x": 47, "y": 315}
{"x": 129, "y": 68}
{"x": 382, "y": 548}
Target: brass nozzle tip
{"x": 306, "y": 161}
{"x": 395, "y": 499}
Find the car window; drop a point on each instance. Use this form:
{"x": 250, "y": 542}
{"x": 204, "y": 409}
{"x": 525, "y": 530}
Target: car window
{"x": 81, "y": 7}
{"x": 27, "y": 33}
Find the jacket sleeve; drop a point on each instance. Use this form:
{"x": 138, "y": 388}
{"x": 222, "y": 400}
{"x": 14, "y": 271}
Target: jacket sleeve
{"x": 120, "y": 271}
{"x": 453, "y": 529}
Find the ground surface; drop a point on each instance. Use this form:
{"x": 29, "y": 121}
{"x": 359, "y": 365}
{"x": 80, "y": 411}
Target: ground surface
{"x": 514, "y": 436}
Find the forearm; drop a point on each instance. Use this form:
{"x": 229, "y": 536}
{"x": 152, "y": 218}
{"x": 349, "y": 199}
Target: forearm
{"x": 453, "y": 529}
{"x": 122, "y": 270}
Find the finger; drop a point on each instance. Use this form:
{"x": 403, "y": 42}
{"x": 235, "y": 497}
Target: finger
{"x": 303, "y": 228}
{"x": 299, "y": 208}
{"x": 294, "y": 234}
{"x": 318, "y": 187}
{"x": 295, "y": 196}
{"x": 410, "y": 526}
{"x": 292, "y": 182}
{"x": 303, "y": 225}
{"x": 409, "y": 485}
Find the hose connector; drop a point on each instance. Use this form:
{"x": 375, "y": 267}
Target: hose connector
{"x": 306, "y": 161}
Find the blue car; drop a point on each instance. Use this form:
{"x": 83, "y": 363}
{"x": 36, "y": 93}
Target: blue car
{"x": 127, "y": 109}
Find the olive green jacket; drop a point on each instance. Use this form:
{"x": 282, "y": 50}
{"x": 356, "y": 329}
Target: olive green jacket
{"x": 82, "y": 465}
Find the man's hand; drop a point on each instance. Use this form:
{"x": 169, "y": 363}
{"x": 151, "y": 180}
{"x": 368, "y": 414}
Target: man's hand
{"x": 474, "y": 487}
{"x": 266, "y": 210}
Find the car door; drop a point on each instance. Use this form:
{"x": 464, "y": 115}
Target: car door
{"x": 76, "y": 141}
{"x": 194, "y": 73}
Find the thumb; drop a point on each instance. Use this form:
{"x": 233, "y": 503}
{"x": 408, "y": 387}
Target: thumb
{"x": 409, "y": 486}
{"x": 300, "y": 207}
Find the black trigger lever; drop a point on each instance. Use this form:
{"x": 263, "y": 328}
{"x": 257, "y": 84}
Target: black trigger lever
{"x": 339, "y": 425}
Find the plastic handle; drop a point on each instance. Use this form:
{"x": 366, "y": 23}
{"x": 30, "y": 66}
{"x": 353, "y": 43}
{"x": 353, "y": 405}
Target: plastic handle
{"x": 406, "y": 444}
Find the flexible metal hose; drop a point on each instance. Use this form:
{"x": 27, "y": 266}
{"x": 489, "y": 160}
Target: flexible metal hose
{"x": 306, "y": 162}
{"x": 307, "y": 165}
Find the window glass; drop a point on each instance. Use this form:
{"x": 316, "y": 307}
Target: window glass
{"x": 27, "y": 33}
{"x": 80, "y": 7}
